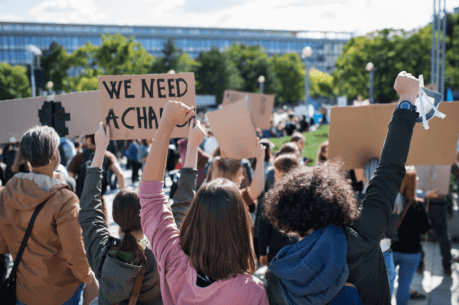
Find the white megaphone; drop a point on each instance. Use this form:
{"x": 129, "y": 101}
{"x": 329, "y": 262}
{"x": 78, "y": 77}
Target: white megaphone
{"x": 427, "y": 103}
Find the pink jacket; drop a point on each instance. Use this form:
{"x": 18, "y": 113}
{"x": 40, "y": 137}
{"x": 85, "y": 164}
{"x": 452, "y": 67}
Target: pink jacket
{"x": 177, "y": 275}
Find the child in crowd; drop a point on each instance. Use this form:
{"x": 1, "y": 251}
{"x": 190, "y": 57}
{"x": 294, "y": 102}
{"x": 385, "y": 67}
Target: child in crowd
{"x": 211, "y": 259}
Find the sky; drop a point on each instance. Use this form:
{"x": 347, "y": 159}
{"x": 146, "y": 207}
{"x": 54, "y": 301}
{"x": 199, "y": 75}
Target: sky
{"x": 358, "y": 16}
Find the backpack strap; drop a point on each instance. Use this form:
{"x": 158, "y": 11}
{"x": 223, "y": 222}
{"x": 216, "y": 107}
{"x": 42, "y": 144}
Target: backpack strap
{"x": 138, "y": 284}
{"x": 26, "y": 237}
{"x": 405, "y": 210}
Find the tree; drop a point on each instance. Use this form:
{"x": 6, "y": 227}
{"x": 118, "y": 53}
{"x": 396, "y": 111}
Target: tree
{"x": 252, "y": 62}
{"x": 119, "y": 56}
{"x": 290, "y": 77}
{"x": 321, "y": 84}
{"x": 170, "y": 59}
{"x": 391, "y": 51}
{"x": 55, "y": 62}
{"x": 116, "y": 56}
{"x": 14, "y": 82}
{"x": 186, "y": 64}
{"x": 215, "y": 73}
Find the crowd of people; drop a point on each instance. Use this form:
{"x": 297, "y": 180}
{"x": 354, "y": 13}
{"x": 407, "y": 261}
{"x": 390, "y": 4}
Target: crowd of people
{"x": 324, "y": 236}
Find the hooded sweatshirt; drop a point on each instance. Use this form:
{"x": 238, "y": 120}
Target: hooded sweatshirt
{"x": 314, "y": 270}
{"x": 54, "y": 262}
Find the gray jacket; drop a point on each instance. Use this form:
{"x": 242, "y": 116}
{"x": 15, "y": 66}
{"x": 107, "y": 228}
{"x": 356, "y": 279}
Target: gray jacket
{"x": 116, "y": 278}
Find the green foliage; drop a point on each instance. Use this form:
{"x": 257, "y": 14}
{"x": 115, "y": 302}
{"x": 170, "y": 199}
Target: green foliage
{"x": 313, "y": 141}
{"x": 216, "y": 73}
{"x": 321, "y": 84}
{"x": 186, "y": 64}
{"x": 55, "y": 63}
{"x": 170, "y": 59}
{"x": 86, "y": 81}
{"x": 119, "y": 56}
{"x": 252, "y": 62}
{"x": 290, "y": 77}
{"x": 14, "y": 82}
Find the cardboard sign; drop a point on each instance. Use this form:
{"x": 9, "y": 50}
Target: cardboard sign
{"x": 357, "y": 135}
{"x": 233, "y": 129}
{"x": 440, "y": 175}
{"x": 260, "y": 106}
{"x": 133, "y": 104}
{"x": 69, "y": 114}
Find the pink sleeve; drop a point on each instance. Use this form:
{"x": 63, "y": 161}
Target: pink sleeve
{"x": 158, "y": 225}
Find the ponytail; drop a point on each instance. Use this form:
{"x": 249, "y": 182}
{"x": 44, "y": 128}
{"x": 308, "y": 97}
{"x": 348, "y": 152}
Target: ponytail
{"x": 126, "y": 213}
{"x": 130, "y": 244}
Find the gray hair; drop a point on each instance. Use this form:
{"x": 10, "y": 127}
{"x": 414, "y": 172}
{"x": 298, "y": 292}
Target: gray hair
{"x": 38, "y": 145}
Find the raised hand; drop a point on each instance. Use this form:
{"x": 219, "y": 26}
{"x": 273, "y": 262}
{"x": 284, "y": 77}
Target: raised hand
{"x": 196, "y": 133}
{"x": 102, "y": 138}
{"x": 261, "y": 151}
{"x": 407, "y": 86}
{"x": 177, "y": 113}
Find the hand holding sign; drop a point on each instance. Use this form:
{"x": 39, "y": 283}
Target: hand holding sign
{"x": 196, "y": 134}
{"x": 261, "y": 151}
{"x": 102, "y": 138}
{"x": 407, "y": 86}
{"x": 177, "y": 113}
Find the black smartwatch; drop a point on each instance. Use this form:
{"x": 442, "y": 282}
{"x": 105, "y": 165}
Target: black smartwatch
{"x": 406, "y": 105}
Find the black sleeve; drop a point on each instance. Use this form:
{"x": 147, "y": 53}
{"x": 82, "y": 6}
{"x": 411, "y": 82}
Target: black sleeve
{"x": 92, "y": 219}
{"x": 382, "y": 190}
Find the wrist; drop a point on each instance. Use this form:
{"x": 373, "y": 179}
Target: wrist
{"x": 410, "y": 98}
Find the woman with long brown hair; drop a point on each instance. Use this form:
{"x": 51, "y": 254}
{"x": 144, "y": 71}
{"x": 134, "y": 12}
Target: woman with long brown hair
{"x": 407, "y": 250}
{"x": 129, "y": 259}
{"x": 210, "y": 261}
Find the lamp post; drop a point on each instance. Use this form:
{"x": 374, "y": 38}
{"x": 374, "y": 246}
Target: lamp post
{"x": 261, "y": 80}
{"x": 305, "y": 54}
{"x": 371, "y": 69}
{"x": 35, "y": 52}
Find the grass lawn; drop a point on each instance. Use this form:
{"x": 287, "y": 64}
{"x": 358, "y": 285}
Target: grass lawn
{"x": 313, "y": 141}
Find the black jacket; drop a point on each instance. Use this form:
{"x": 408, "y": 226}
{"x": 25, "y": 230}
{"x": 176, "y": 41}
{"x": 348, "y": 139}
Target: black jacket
{"x": 367, "y": 268}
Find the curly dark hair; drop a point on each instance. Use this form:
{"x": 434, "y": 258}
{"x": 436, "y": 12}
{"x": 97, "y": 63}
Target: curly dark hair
{"x": 311, "y": 198}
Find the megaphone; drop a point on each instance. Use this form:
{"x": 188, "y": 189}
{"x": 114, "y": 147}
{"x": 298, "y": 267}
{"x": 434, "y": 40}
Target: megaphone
{"x": 427, "y": 103}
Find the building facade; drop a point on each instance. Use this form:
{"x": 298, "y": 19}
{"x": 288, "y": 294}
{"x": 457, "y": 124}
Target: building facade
{"x": 15, "y": 36}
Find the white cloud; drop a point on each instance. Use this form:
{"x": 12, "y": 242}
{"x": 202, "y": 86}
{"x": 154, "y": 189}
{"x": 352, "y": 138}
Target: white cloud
{"x": 67, "y": 11}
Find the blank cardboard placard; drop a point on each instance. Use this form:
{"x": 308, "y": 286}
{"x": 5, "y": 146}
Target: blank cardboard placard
{"x": 440, "y": 178}
{"x": 17, "y": 116}
{"x": 234, "y": 131}
{"x": 260, "y": 105}
{"x": 133, "y": 104}
{"x": 357, "y": 135}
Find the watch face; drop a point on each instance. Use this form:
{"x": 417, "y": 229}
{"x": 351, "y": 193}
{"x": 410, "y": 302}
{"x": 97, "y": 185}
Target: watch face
{"x": 405, "y": 105}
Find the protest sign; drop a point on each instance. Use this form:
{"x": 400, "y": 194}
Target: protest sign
{"x": 439, "y": 175}
{"x": 234, "y": 131}
{"x": 69, "y": 114}
{"x": 133, "y": 104}
{"x": 357, "y": 135}
{"x": 260, "y": 106}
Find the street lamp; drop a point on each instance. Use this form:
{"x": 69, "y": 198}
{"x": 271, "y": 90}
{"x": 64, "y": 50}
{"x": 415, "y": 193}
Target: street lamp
{"x": 371, "y": 69}
{"x": 35, "y": 52}
{"x": 305, "y": 54}
{"x": 261, "y": 80}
